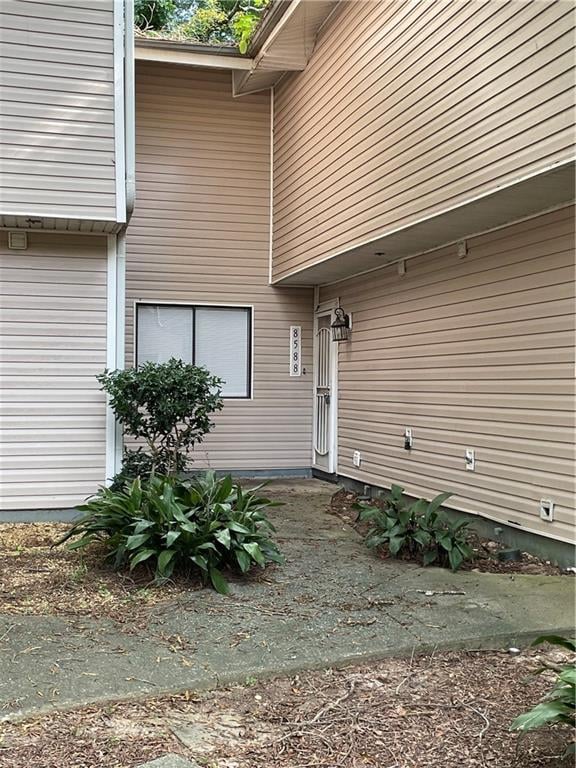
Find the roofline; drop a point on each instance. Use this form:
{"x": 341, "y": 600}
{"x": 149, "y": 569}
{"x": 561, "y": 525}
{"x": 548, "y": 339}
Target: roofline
{"x": 184, "y": 45}
{"x": 190, "y": 54}
{"x": 205, "y": 55}
{"x": 274, "y": 12}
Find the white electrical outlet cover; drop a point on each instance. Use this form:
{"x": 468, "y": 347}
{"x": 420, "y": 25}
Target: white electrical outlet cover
{"x": 547, "y": 510}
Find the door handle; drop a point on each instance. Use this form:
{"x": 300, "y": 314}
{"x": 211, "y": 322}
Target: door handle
{"x": 327, "y": 398}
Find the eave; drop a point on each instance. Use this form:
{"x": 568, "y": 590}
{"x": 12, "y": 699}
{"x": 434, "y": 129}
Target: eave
{"x": 191, "y": 54}
{"x": 284, "y": 47}
{"x": 283, "y": 42}
{"x": 523, "y": 198}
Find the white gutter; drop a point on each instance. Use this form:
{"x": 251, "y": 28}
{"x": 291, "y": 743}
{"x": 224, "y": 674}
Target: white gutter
{"x": 120, "y": 33}
{"x": 191, "y": 58}
{"x": 115, "y": 323}
{"x": 111, "y": 351}
{"x": 129, "y": 108}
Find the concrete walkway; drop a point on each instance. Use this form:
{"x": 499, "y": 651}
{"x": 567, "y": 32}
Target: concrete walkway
{"x": 332, "y": 603}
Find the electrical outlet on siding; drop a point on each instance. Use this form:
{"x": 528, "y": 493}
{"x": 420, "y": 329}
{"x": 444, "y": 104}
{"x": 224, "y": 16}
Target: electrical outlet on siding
{"x": 356, "y": 458}
{"x": 470, "y": 459}
{"x": 408, "y": 439}
{"x": 547, "y": 510}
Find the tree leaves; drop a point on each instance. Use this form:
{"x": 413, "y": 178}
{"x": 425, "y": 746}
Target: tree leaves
{"x": 168, "y": 407}
{"x": 204, "y": 21}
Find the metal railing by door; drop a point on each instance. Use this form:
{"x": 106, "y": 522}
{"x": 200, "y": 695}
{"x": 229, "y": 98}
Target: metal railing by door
{"x": 323, "y": 392}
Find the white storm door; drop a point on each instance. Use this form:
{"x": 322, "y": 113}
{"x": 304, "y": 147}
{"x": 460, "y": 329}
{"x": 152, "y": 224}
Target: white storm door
{"x": 324, "y": 394}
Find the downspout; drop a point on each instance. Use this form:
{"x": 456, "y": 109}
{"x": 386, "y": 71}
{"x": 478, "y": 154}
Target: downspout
{"x": 129, "y": 108}
{"x": 116, "y": 312}
{"x": 120, "y": 336}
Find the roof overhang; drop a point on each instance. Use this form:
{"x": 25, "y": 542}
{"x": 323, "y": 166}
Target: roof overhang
{"x": 549, "y": 189}
{"x": 283, "y": 42}
{"x": 191, "y": 54}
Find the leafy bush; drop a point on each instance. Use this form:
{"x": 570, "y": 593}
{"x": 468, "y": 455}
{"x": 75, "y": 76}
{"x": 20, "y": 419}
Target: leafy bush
{"x": 165, "y": 405}
{"x": 205, "y": 524}
{"x": 418, "y": 528}
{"x": 558, "y": 706}
{"x": 205, "y": 21}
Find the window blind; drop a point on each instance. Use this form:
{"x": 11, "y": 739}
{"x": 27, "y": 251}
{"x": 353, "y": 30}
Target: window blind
{"x": 164, "y": 332}
{"x": 222, "y": 337}
{"x": 217, "y": 338}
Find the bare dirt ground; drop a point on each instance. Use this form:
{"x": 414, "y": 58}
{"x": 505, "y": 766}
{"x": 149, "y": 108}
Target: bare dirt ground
{"x": 440, "y": 711}
{"x": 485, "y": 550}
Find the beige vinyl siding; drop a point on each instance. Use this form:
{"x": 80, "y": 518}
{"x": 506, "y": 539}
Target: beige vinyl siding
{"x": 408, "y": 109}
{"x": 52, "y": 343}
{"x": 200, "y": 234}
{"x": 57, "y": 147}
{"x": 474, "y": 352}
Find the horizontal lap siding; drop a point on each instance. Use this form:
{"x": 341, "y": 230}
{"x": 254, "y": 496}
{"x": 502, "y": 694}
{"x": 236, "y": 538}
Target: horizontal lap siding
{"x": 57, "y": 148}
{"x": 471, "y": 353}
{"x": 52, "y": 344}
{"x": 406, "y": 109}
{"x": 200, "y": 233}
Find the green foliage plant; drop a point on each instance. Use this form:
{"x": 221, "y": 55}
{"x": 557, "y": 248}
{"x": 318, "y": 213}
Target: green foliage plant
{"x": 244, "y": 23}
{"x": 167, "y": 408}
{"x": 215, "y": 22}
{"x": 559, "y": 705}
{"x": 153, "y": 14}
{"x": 417, "y": 529}
{"x": 205, "y": 524}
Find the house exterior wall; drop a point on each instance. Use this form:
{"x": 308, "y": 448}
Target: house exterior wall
{"x": 200, "y": 234}
{"x": 474, "y": 352}
{"x": 57, "y": 110}
{"x": 408, "y": 109}
{"x": 52, "y": 343}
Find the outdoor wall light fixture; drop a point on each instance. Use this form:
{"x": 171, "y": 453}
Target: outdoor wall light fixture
{"x": 340, "y": 326}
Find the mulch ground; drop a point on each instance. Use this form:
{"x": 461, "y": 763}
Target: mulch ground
{"x": 439, "y": 711}
{"x": 485, "y": 558}
{"x": 446, "y": 710}
{"x": 37, "y": 578}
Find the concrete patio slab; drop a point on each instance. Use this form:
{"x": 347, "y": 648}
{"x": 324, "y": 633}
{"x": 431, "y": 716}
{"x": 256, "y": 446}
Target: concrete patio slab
{"x": 332, "y": 603}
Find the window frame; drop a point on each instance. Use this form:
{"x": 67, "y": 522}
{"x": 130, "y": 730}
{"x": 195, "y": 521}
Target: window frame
{"x": 192, "y": 305}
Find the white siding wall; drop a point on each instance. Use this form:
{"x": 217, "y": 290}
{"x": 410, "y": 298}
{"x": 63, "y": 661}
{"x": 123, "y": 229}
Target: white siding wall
{"x": 474, "y": 352}
{"x": 57, "y": 149}
{"x": 200, "y": 233}
{"x": 52, "y": 343}
{"x": 409, "y": 108}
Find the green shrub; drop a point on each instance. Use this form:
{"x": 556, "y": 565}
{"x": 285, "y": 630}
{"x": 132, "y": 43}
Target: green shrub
{"x": 165, "y": 406}
{"x": 416, "y": 529}
{"x": 558, "y": 706}
{"x": 153, "y": 14}
{"x": 203, "y": 524}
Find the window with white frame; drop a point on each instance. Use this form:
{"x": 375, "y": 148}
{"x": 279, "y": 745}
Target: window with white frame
{"x": 218, "y": 338}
